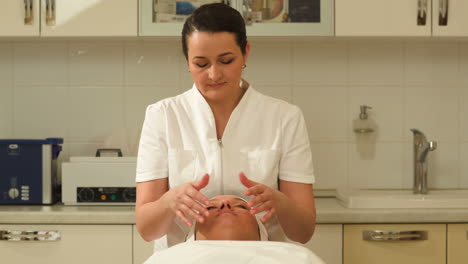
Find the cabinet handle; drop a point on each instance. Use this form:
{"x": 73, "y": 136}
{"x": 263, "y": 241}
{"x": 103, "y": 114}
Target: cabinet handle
{"x": 8, "y": 235}
{"x": 422, "y": 12}
{"x": 28, "y": 12}
{"x": 99, "y": 151}
{"x": 378, "y": 235}
{"x": 443, "y": 12}
{"x": 154, "y": 10}
{"x": 50, "y": 12}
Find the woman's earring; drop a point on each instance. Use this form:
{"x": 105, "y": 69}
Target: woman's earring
{"x": 244, "y": 66}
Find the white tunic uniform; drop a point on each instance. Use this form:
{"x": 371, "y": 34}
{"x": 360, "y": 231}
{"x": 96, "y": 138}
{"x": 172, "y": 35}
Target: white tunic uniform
{"x": 266, "y": 138}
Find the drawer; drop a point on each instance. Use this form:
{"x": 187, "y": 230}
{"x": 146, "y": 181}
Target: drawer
{"x": 399, "y": 243}
{"x": 76, "y": 244}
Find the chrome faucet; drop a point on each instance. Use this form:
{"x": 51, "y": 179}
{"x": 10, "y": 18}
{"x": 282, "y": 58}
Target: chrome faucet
{"x": 421, "y": 150}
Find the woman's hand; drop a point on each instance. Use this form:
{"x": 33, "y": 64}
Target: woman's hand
{"x": 266, "y": 199}
{"x": 187, "y": 202}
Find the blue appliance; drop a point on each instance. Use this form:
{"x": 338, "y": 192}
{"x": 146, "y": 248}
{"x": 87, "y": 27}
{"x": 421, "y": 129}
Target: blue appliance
{"x": 28, "y": 171}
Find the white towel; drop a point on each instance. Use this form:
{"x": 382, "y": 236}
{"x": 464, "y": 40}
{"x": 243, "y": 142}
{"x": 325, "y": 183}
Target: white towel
{"x": 238, "y": 252}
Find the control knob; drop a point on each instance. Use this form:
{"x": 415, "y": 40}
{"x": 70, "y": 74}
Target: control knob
{"x": 129, "y": 195}
{"x": 13, "y": 193}
{"x": 85, "y": 195}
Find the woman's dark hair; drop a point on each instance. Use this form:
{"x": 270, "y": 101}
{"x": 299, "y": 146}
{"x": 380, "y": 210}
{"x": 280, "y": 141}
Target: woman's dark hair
{"x": 212, "y": 18}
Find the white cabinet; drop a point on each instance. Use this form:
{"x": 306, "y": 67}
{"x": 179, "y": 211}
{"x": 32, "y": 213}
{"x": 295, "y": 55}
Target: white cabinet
{"x": 401, "y": 18}
{"x": 78, "y": 244}
{"x": 284, "y": 17}
{"x": 69, "y": 18}
{"x": 89, "y": 18}
{"x": 19, "y": 18}
{"x": 399, "y": 243}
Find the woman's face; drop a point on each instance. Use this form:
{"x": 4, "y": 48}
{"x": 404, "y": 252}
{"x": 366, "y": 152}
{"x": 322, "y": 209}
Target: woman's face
{"x": 229, "y": 214}
{"x": 215, "y": 62}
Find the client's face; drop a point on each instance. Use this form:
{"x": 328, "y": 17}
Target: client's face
{"x": 229, "y": 220}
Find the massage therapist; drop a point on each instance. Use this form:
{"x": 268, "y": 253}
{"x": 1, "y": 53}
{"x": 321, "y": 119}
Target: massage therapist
{"x": 222, "y": 137}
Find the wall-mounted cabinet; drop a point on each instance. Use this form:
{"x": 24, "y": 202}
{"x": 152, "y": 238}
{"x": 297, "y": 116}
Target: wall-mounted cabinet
{"x": 263, "y": 17}
{"x": 89, "y": 18}
{"x": 69, "y": 18}
{"x": 401, "y": 18}
{"x": 19, "y": 18}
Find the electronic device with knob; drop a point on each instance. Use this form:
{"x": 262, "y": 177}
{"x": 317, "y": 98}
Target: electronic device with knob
{"x": 99, "y": 181}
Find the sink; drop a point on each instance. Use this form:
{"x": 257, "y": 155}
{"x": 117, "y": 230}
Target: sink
{"x": 373, "y": 198}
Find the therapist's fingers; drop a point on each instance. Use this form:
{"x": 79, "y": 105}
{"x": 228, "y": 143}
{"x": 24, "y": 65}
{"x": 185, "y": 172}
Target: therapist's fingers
{"x": 245, "y": 181}
{"x": 253, "y": 187}
{"x": 262, "y": 207}
{"x": 189, "y": 212}
{"x": 256, "y": 190}
{"x": 195, "y": 205}
{"x": 268, "y": 215}
{"x": 195, "y": 194}
{"x": 202, "y": 183}
{"x": 183, "y": 218}
{"x": 259, "y": 197}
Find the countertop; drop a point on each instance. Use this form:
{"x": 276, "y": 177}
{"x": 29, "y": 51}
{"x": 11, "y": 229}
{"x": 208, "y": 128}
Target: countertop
{"x": 328, "y": 211}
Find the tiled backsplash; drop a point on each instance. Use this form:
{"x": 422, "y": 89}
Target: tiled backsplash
{"x": 93, "y": 92}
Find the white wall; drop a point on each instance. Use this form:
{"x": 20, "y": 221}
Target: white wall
{"x": 86, "y": 91}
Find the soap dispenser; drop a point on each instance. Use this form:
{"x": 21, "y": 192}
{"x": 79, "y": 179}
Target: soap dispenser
{"x": 363, "y": 124}
{"x": 365, "y": 130}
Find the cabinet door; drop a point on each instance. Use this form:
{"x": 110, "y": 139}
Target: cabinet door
{"x": 19, "y": 18}
{"x": 78, "y": 244}
{"x": 382, "y": 18}
{"x": 384, "y": 248}
{"x": 142, "y": 250}
{"x": 290, "y": 17}
{"x": 285, "y": 17}
{"x": 89, "y": 18}
{"x": 449, "y": 18}
{"x": 162, "y": 18}
{"x": 457, "y": 244}
{"x": 327, "y": 243}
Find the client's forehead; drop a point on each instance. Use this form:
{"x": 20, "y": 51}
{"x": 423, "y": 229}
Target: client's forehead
{"x": 227, "y": 197}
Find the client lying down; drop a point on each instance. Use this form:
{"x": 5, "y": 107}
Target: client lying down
{"x": 232, "y": 235}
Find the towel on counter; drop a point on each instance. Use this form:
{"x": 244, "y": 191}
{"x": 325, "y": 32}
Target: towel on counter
{"x": 238, "y": 252}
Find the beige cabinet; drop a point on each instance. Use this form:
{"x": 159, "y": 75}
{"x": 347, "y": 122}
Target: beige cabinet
{"x": 142, "y": 250}
{"x": 401, "y": 18}
{"x": 19, "y": 18}
{"x": 399, "y": 243}
{"x": 327, "y": 243}
{"x": 45, "y": 244}
{"x": 449, "y": 18}
{"x": 89, "y": 18}
{"x": 457, "y": 243}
